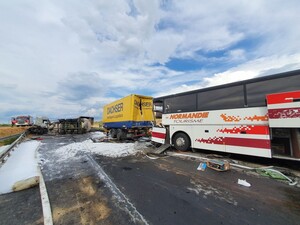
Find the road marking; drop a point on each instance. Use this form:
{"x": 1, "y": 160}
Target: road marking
{"x": 45, "y": 201}
{"x": 123, "y": 201}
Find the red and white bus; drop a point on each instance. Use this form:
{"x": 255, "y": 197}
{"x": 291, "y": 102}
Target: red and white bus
{"x": 258, "y": 117}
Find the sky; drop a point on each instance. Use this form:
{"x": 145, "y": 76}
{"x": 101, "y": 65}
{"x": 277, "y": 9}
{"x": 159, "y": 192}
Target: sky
{"x": 65, "y": 59}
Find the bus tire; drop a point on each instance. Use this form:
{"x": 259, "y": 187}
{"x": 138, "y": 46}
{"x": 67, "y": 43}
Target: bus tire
{"x": 113, "y": 133}
{"x": 181, "y": 141}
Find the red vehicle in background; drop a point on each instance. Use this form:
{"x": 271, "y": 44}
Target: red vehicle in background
{"x": 13, "y": 121}
{"x": 22, "y": 121}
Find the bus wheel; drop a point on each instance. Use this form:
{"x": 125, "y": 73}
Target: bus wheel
{"x": 113, "y": 133}
{"x": 181, "y": 142}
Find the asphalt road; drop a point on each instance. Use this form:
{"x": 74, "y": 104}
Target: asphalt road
{"x": 23, "y": 207}
{"x": 92, "y": 189}
{"x": 171, "y": 191}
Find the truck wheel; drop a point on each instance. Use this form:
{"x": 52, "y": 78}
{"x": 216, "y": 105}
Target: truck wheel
{"x": 121, "y": 135}
{"x": 113, "y": 133}
{"x": 181, "y": 142}
{"x": 87, "y": 125}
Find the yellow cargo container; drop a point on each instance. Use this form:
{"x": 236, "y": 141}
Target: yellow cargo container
{"x": 130, "y": 112}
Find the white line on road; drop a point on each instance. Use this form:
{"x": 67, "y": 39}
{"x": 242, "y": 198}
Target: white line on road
{"x": 124, "y": 202}
{"x": 45, "y": 201}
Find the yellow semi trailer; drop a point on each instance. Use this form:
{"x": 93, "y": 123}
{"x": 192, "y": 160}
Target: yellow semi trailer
{"x": 128, "y": 116}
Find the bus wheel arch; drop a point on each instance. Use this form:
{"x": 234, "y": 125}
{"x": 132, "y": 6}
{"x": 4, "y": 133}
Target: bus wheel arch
{"x": 181, "y": 141}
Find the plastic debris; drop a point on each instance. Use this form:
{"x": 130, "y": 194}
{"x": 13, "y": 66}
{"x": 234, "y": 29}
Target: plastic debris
{"x": 244, "y": 183}
{"x": 276, "y": 175}
{"x": 144, "y": 139}
{"x": 202, "y": 166}
{"x": 152, "y": 155}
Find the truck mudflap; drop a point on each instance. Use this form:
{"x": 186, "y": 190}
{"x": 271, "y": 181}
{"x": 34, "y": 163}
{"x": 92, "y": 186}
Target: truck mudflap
{"x": 159, "y": 135}
{"x": 284, "y": 109}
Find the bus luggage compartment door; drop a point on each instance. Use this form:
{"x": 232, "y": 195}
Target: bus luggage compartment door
{"x": 208, "y": 137}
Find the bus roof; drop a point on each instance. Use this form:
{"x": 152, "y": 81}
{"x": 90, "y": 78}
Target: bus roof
{"x": 243, "y": 82}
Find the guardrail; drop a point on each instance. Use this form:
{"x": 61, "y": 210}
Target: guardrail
{"x": 5, "y": 154}
{"x": 10, "y": 137}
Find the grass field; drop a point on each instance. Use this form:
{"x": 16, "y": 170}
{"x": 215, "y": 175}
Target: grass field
{"x": 7, "y": 130}
{"x": 5, "y": 125}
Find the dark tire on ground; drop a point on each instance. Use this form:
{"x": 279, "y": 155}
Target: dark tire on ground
{"x": 181, "y": 142}
{"x": 113, "y": 133}
{"x": 121, "y": 135}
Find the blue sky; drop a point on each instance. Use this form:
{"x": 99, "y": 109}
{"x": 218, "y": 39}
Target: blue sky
{"x": 68, "y": 58}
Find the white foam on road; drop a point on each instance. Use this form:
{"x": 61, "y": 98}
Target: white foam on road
{"x": 97, "y": 134}
{"x": 22, "y": 164}
{"x": 3, "y": 149}
{"x": 113, "y": 150}
{"x": 108, "y": 149}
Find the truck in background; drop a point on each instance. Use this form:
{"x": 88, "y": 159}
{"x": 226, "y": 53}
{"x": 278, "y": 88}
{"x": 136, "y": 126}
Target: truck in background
{"x": 22, "y": 121}
{"x": 42, "y": 121}
{"x": 40, "y": 126}
{"x": 77, "y": 125}
{"x": 129, "y": 116}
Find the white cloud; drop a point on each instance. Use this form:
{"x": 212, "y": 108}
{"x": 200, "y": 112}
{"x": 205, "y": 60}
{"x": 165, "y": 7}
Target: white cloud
{"x": 212, "y": 25}
{"x": 237, "y": 54}
{"x": 249, "y": 70}
{"x": 162, "y": 45}
{"x": 65, "y": 58}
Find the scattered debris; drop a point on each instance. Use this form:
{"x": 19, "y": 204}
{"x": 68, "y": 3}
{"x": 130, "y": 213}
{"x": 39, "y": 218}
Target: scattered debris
{"x": 292, "y": 176}
{"x": 244, "y": 183}
{"x": 151, "y": 155}
{"x": 162, "y": 148}
{"x": 217, "y": 164}
{"x": 37, "y": 138}
{"x": 275, "y": 174}
{"x": 202, "y": 166}
{"x": 102, "y": 139}
{"x": 215, "y": 156}
{"x": 40, "y": 126}
{"x": 144, "y": 139}
{"x": 25, "y": 184}
{"x": 36, "y": 129}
